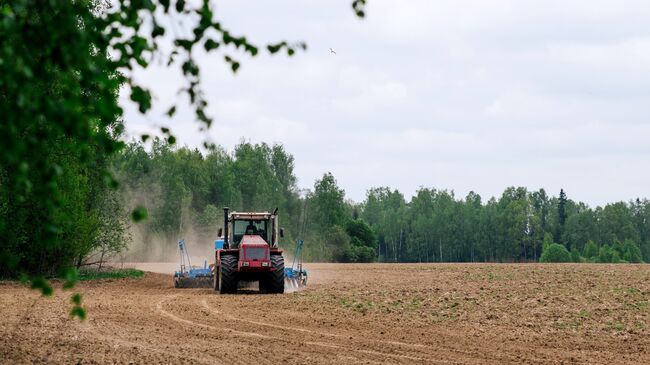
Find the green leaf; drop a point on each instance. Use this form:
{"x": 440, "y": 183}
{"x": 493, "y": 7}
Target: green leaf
{"x": 210, "y": 44}
{"x": 144, "y": 137}
{"x": 180, "y": 5}
{"x": 184, "y": 43}
{"x": 110, "y": 180}
{"x": 78, "y": 312}
{"x": 43, "y": 285}
{"x": 70, "y": 276}
{"x": 190, "y": 68}
{"x": 252, "y": 50}
{"x": 142, "y": 97}
{"x": 157, "y": 31}
{"x": 139, "y": 213}
{"x": 165, "y": 5}
{"x": 76, "y": 299}
{"x": 171, "y": 140}
{"x": 171, "y": 111}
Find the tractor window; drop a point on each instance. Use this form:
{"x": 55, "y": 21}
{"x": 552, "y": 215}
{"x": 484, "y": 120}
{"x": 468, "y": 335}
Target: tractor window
{"x": 250, "y": 227}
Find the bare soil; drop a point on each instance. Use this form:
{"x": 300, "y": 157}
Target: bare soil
{"x": 379, "y": 313}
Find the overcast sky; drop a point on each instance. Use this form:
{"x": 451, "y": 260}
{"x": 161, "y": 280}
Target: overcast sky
{"x": 463, "y": 95}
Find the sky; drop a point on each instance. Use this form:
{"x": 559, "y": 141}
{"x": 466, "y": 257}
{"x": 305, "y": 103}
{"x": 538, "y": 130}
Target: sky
{"x": 460, "y": 95}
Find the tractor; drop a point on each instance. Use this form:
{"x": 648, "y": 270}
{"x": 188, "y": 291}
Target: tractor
{"x": 250, "y": 252}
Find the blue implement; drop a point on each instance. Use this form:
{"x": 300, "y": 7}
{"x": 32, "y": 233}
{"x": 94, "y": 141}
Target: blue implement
{"x": 191, "y": 276}
{"x": 296, "y": 276}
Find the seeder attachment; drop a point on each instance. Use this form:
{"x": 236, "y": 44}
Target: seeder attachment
{"x": 191, "y": 276}
{"x": 295, "y": 277}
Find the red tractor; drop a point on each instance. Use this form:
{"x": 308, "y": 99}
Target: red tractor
{"x": 250, "y": 252}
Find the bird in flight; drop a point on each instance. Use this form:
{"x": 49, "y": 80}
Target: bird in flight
{"x": 332, "y": 51}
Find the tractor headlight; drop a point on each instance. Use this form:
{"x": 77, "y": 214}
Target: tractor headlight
{"x": 245, "y": 263}
{"x": 265, "y": 264}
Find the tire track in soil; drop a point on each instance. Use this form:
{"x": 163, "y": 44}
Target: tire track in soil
{"x": 205, "y": 305}
{"x": 146, "y": 347}
{"x": 465, "y": 353}
{"x": 162, "y": 311}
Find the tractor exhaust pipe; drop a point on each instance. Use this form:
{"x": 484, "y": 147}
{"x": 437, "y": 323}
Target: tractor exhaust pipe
{"x": 226, "y": 244}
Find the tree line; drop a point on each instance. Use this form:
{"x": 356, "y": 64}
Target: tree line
{"x": 184, "y": 189}
{"x": 437, "y": 226}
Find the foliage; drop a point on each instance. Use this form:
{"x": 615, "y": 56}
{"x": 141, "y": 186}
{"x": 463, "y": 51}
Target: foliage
{"x": 631, "y": 252}
{"x": 363, "y": 253}
{"x": 555, "y": 253}
{"x": 575, "y": 255}
{"x": 548, "y": 241}
{"x": 362, "y": 241}
{"x": 591, "y": 250}
{"x": 561, "y": 215}
{"x": 338, "y": 242}
{"x": 327, "y": 202}
{"x": 607, "y": 254}
{"x": 86, "y": 275}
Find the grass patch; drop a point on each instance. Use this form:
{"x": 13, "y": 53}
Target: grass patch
{"x": 86, "y": 275}
{"x": 584, "y": 314}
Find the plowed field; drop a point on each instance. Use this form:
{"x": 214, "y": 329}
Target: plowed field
{"x": 379, "y": 313}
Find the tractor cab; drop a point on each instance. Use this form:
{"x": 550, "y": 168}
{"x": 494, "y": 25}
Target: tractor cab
{"x": 242, "y": 224}
{"x": 250, "y": 227}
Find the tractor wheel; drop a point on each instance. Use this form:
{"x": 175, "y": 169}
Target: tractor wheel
{"x": 228, "y": 275}
{"x": 264, "y": 285}
{"x": 275, "y": 283}
{"x": 215, "y": 277}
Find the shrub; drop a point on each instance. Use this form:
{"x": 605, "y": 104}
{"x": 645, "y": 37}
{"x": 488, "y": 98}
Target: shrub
{"x": 548, "y": 240}
{"x": 348, "y": 254}
{"x": 608, "y": 255}
{"x": 591, "y": 250}
{"x": 364, "y": 253}
{"x": 575, "y": 255}
{"x": 632, "y": 252}
{"x": 555, "y": 253}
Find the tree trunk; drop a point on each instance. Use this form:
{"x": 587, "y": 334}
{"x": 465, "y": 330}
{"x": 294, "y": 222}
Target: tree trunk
{"x": 399, "y": 251}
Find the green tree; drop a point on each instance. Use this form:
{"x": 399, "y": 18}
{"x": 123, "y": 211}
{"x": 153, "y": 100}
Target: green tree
{"x": 591, "y": 250}
{"x": 607, "y": 254}
{"x": 514, "y": 223}
{"x": 617, "y": 223}
{"x": 362, "y": 240}
{"x": 548, "y": 241}
{"x": 631, "y": 252}
{"x": 327, "y": 202}
{"x": 575, "y": 255}
{"x": 555, "y": 253}
{"x": 561, "y": 215}
{"x": 360, "y": 230}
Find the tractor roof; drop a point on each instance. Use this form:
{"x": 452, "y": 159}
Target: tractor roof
{"x": 250, "y": 215}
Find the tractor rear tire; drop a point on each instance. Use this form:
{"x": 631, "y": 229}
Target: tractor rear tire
{"x": 215, "y": 277}
{"x": 275, "y": 284}
{"x": 227, "y": 275}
